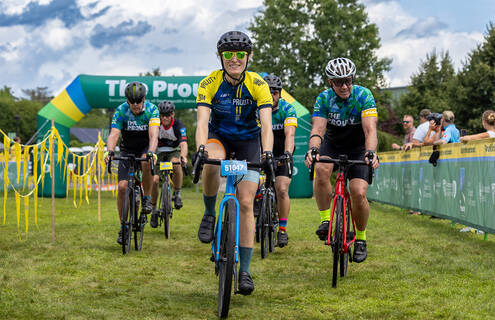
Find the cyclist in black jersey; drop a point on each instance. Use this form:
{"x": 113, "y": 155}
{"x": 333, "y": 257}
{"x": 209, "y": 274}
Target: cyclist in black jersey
{"x": 172, "y": 146}
{"x": 228, "y": 103}
{"x": 137, "y": 120}
{"x": 346, "y": 116}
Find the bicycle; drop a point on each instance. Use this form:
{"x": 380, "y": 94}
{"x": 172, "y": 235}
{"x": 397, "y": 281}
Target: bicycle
{"x": 341, "y": 238}
{"x": 130, "y": 222}
{"x": 267, "y": 220}
{"x": 165, "y": 207}
{"x": 225, "y": 244}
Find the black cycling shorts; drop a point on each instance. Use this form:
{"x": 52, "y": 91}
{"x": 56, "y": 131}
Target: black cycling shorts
{"x": 124, "y": 164}
{"x": 355, "y": 171}
{"x": 282, "y": 169}
{"x": 248, "y": 150}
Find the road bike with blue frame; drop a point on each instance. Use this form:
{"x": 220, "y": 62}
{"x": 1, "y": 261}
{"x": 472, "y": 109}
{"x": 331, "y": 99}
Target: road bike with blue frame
{"x": 225, "y": 244}
{"x": 341, "y": 237}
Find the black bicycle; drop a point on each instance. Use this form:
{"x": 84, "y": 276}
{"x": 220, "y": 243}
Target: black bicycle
{"x": 165, "y": 207}
{"x": 342, "y": 237}
{"x": 267, "y": 219}
{"x": 131, "y": 222}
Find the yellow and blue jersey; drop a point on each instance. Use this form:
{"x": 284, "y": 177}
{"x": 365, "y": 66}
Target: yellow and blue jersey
{"x": 234, "y": 108}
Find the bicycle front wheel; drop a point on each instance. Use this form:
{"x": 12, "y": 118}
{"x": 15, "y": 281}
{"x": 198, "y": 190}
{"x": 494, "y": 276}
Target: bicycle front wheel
{"x": 138, "y": 223}
{"x": 272, "y": 222}
{"x": 337, "y": 239}
{"x": 344, "y": 257}
{"x": 264, "y": 224}
{"x": 166, "y": 207}
{"x": 126, "y": 224}
{"x": 226, "y": 262}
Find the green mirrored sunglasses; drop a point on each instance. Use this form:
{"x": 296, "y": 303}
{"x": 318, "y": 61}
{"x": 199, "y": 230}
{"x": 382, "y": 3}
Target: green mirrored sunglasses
{"x": 230, "y": 54}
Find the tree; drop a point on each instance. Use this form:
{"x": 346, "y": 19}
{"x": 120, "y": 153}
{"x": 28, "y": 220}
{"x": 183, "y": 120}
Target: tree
{"x": 475, "y": 90}
{"x": 296, "y": 39}
{"x": 39, "y": 94}
{"x": 431, "y": 86}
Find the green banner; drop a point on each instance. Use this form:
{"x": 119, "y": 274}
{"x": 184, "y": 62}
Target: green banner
{"x": 460, "y": 188}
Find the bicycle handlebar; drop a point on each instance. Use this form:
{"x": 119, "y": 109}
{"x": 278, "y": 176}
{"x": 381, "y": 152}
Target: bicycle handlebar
{"x": 131, "y": 158}
{"x": 344, "y": 162}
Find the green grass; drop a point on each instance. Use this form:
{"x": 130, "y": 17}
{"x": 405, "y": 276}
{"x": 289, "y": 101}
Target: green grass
{"x": 417, "y": 268}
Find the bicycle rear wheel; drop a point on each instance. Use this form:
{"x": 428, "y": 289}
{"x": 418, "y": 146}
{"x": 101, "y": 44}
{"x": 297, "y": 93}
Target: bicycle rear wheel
{"x": 337, "y": 239}
{"x": 126, "y": 224}
{"x": 264, "y": 226}
{"x": 166, "y": 207}
{"x": 138, "y": 223}
{"x": 226, "y": 262}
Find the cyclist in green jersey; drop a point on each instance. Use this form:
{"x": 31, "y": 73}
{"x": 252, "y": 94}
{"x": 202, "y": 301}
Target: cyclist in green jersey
{"x": 138, "y": 121}
{"x": 344, "y": 122}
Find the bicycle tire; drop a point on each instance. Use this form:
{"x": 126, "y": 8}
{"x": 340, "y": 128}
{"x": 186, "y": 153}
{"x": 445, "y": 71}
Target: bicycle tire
{"x": 264, "y": 232}
{"x": 126, "y": 222}
{"x": 166, "y": 207}
{"x": 226, "y": 262}
{"x": 272, "y": 228}
{"x": 337, "y": 240}
{"x": 138, "y": 222}
{"x": 344, "y": 257}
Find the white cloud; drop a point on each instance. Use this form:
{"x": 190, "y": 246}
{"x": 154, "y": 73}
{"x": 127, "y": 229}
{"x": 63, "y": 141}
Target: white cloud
{"x": 55, "y": 35}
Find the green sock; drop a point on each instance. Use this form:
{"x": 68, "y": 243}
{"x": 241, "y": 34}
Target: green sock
{"x": 325, "y": 215}
{"x": 361, "y": 235}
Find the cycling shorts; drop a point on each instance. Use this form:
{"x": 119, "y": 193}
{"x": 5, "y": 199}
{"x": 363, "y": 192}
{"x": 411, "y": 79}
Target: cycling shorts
{"x": 248, "y": 150}
{"x": 124, "y": 165}
{"x": 355, "y": 171}
{"x": 282, "y": 170}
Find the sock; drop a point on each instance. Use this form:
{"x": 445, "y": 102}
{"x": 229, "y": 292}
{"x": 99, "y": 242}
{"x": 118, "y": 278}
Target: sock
{"x": 245, "y": 255}
{"x": 282, "y": 225}
{"x": 147, "y": 197}
{"x": 210, "y": 205}
{"x": 176, "y": 191}
{"x": 361, "y": 235}
{"x": 325, "y": 215}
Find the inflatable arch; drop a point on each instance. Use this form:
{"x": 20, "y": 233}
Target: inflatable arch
{"x": 107, "y": 92}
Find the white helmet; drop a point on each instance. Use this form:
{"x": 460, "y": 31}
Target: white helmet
{"x": 340, "y": 68}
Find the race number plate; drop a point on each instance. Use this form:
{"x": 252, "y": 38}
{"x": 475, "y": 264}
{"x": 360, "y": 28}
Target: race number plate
{"x": 165, "y": 165}
{"x": 233, "y": 167}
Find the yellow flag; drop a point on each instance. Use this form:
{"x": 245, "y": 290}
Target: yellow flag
{"x": 50, "y": 151}
{"x": 25, "y": 162}
{"x": 6, "y": 143}
{"x": 18, "y": 160}
{"x": 35, "y": 174}
{"x": 18, "y": 210}
{"x": 26, "y": 212}
{"x": 60, "y": 147}
{"x": 66, "y": 158}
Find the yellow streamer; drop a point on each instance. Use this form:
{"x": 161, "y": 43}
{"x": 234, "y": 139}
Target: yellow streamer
{"x": 35, "y": 174}
{"x": 17, "y": 148}
{"x": 26, "y": 212}
{"x": 26, "y": 160}
{"x": 60, "y": 148}
{"x": 18, "y": 210}
{"x": 50, "y": 140}
{"x": 6, "y": 143}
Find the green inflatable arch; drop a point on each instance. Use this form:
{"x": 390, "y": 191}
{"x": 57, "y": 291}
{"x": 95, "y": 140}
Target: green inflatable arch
{"x": 89, "y": 91}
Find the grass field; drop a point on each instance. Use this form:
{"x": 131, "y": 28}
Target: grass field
{"x": 417, "y": 268}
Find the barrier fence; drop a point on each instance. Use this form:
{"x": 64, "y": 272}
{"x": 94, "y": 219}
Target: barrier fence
{"x": 80, "y": 171}
{"x": 460, "y": 188}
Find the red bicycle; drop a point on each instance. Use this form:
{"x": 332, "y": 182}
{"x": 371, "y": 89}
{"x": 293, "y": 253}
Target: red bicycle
{"x": 341, "y": 237}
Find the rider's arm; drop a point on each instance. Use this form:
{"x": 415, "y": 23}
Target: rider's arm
{"x": 153, "y": 134}
{"x": 371, "y": 139}
{"x": 113, "y": 137}
{"x": 266, "y": 129}
{"x": 202, "y": 125}
{"x": 317, "y": 132}
{"x": 289, "y": 132}
{"x": 183, "y": 150}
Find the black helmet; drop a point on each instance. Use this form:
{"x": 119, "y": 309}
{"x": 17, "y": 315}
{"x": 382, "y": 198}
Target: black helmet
{"x": 135, "y": 92}
{"x": 234, "y": 40}
{"x": 273, "y": 81}
{"x": 166, "y": 107}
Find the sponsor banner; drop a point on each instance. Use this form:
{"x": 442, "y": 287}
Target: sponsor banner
{"x": 461, "y": 187}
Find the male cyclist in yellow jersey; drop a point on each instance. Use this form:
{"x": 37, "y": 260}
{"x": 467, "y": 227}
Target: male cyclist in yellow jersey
{"x": 228, "y": 101}
{"x": 138, "y": 121}
{"x": 344, "y": 122}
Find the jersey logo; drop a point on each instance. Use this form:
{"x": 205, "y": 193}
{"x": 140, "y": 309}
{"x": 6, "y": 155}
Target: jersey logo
{"x": 201, "y": 97}
{"x": 133, "y": 126}
{"x": 206, "y": 82}
{"x": 154, "y": 122}
{"x": 277, "y": 126}
{"x": 183, "y": 131}
{"x": 258, "y": 82}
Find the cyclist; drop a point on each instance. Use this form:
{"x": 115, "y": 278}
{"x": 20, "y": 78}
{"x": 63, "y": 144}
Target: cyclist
{"x": 138, "y": 121}
{"x": 172, "y": 146}
{"x": 284, "y": 123}
{"x": 228, "y": 100}
{"x": 349, "y": 114}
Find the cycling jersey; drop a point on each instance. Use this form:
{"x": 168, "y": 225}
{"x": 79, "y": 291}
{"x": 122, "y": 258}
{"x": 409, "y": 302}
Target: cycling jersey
{"x": 233, "y": 108}
{"x": 170, "y": 137}
{"x": 134, "y": 128}
{"x": 284, "y": 116}
{"x": 344, "y": 128}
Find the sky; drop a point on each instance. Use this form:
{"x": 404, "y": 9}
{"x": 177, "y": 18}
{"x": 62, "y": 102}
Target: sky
{"x": 47, "y": 43}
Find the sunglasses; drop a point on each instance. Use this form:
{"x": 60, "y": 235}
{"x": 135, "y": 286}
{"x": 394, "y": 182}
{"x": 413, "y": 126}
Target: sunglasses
{"x": 230, "y": 54}
{"x": 341, "y": 82}
{"x": 132, "y": 101}
{"x": 274, "y": 91}
{"x": 166, "y": 114}
{"x": 406, "y": 121}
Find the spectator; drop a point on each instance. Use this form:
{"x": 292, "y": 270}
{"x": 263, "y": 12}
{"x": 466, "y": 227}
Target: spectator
{"x": 408, "y": 123}
{"x": 421, "y": 131}
{"x": 450, "y": 133}
{"x": 488, "y": 120}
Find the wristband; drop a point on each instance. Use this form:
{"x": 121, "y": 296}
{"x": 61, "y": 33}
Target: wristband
{"x": 316, "y": 135}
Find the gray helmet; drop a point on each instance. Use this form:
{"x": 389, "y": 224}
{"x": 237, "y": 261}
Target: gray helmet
{"x": 166, "y": 108}
{"x": 273, "y": 81}
{"x": 236, "y": 41}
{"x": 135, "y": 92}
{"x": 340, "y": 68}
